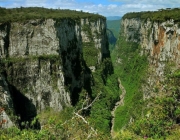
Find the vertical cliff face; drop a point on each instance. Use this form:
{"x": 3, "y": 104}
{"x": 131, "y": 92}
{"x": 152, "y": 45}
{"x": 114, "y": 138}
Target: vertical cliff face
{"x": 147, "y": 54}
{"x": 46, "y": 63}
{"x": 159, "y": 41}
{"x": 5, "y": 103}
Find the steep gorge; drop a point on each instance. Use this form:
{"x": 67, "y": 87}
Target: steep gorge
{"x": 147, "y": 60}
{"x": 45, "y": 63}
{"x": 159, "y": 41}
{"x": 57, "y": 62}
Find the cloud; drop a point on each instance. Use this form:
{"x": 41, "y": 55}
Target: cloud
{"x": 10, "y": 0}
{"x": 148, "y": 1}
{"x": 145, "y": 5}
{"x": 112, "y": 6}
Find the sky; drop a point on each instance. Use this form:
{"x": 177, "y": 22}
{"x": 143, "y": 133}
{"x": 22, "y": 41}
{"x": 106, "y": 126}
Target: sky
{"x": 102, "y": 7}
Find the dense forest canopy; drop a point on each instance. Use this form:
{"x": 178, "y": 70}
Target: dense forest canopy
{"x": 160, "y": 15}
{"x": 22, "y": 14}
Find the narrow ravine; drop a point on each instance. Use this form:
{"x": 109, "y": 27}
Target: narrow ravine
{"x": 119, "y": 103}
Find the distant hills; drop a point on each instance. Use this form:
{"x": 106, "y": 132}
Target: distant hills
{"x": 113, "y": 18}
{"x": 113, "y": 27}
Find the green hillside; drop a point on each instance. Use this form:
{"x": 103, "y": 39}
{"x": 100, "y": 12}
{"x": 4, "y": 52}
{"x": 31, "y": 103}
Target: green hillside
{"x": 157, "y": 117}
{"x": 113, "y": 17}
{"x": 114, "y": 26}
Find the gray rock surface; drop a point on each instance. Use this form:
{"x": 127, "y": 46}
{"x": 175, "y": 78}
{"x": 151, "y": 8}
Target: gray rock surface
{"x": 43, "y": 61}
{"x": 160, "y": 42}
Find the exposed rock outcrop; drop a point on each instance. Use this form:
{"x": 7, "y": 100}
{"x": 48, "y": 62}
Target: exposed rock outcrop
{"x": 44, "y": 62}
{"x": 160, "y": 41}
{"x": 5, "y": 103}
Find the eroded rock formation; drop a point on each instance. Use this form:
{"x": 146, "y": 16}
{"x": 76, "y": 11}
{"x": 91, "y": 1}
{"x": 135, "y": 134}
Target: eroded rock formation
{"x": 160, "y": 41}
{"x": 43, "y": 63}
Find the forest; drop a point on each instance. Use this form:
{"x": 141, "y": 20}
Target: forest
{"x": 23, "y": 14}
{"x": 160, "y": 15}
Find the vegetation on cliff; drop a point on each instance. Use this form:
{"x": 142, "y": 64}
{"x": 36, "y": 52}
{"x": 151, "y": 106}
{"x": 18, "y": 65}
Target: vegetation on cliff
{"x": 159, "y": 116}
{"x": 96, "y": 89}
{"x": 90, "y": 118}
{"x": 131, "y": 68}
{"x": 23, "y": 14}
{"x": 155, "y": 117}
{"x": 105, "y": 83}
{"x": 161, "y": 15}
{"x": 55, "y": 126}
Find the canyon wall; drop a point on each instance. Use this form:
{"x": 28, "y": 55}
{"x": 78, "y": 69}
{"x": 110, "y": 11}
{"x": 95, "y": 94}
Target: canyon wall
{"x": 46, "y": 62}
{"x": 160, "y": 42}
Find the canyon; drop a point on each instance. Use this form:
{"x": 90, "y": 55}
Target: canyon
{"x": 148, "y": 58}
{"x": 62, "y": 65}
{"x": 159, "y": 41}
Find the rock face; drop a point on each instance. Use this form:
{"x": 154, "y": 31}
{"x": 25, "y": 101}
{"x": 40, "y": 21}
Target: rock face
{"x": 44, "y": 62}
{"x": 160, "y": 41}
{"x": 6, "y": 103}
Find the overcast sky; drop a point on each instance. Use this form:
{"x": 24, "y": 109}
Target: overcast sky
{"x": 103, "y": 7}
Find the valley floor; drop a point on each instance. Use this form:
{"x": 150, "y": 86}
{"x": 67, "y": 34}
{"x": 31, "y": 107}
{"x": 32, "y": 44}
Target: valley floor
{"x": 119, "y": 103}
